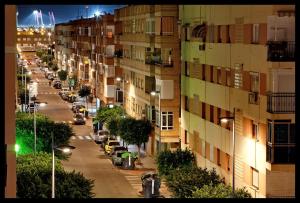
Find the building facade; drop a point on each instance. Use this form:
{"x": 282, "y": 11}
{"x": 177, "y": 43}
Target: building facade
{"x": 147, "y": 46}
{"x": 63, "y": 46}
{"x": 34, "y": 37}
{"x": 238, "y": 61}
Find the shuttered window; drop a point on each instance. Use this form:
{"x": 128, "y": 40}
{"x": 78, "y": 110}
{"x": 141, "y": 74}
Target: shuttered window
{"x": 157, "y": 25}
{"x": 167, "y": 25}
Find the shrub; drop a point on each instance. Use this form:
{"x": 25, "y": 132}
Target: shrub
{"x": 168, "y": 160}
{"x": 220, "y": 191}
{"x": 34, "y": 179}
{"x": 182, "y": 182}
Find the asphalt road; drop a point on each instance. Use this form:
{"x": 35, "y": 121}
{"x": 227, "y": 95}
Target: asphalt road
{"x": 87, "y": 158}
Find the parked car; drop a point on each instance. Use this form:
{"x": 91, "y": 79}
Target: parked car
{"x": 115, "y": 149}
{"x": 107, "y": 139}
{"x": 101, "y": 135}
{"x": 109, "y": 146}
{"x": 64, "y": 96}
{"x": 78, "y": 108}
{"x": 63, "y": 90}
{"x": 75, "y": 104}
{"x": 117, "y": 158}
{"x": 78, "y": 119}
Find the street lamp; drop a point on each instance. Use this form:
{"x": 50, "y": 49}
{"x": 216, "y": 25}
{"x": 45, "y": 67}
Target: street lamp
{"x": 226, "y": 120}
{"x": 154, "y": 93}
{"x": 34, "y": 120}
{"x": 66, "y": 149}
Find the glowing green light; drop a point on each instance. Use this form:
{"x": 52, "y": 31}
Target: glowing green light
{"x": 17, "y": 148}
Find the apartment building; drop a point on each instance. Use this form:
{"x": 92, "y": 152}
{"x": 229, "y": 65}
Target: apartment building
{"x": 105, "y": 49}
{"x": 239, "y": 61}
{"x": 33, "y": 37}
{"x": 63, "y": 46}
{"x": 147, "y": 51}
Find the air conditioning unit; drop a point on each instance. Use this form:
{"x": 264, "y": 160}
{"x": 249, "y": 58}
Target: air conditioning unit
{"x": 253, "y": 98}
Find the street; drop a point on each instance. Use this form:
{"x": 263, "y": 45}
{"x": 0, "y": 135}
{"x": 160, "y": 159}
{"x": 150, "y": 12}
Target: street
{"x": 87, "y": 157}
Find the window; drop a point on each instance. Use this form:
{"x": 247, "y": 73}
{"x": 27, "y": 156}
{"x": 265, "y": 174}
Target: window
{"x": 186, "y": 103}
{"x": 187, "y": 33}
{"x": 281, "y": 142}
{"x": 228, "y": 77}
{"x": 255, "y": 178}
{"x": 167, "y": 121}
{"x": 203, "y": 110}
{"x": 228, "y": 161}
{"x": 211, "y": 73}
{"x": 211, "y": 108}
{"x": 24, "y": 39}
{"x": 167, "y": 25}
{"x": 157, "y": 118}
{"x": 254, "y": 81}
{"x": 186, "y": 69}
{"x": 186, "y": 141}
{"x": 211, "y": 152}
{"x": 254, "y": 130}
{"x": 218, "y": 157}
{"x": 238, "y": 75}
{"x": 19, "y": 39}
{"x": 28, "y": 39}
{"x": 219, "y": 75}
{"x": 219, "y": 33}
{"x": 255, "y": 34}
{"x": 203, "y": 71}
{"x": 219, "y": 115}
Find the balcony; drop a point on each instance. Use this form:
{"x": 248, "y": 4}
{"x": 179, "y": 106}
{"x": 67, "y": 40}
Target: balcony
{"x": 280, "y": 102}
{"x": 281, "y": 51}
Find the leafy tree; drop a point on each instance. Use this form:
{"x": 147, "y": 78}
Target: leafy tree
{"x": 135, "y": 132}
{"x": 62, "y": 74}
{"x": 85, "y": 91}
{"x": 170, "y": 160}
{"x": 46, "y": 58}
{"x": 54, "y": 68}
{"x": 220, "y": 191}
{"x": 105, "y": 114}
{"x": 34, "y": 175}
{"x": 113, "y": 126}
{"x": 61, "y": 131}
{"x": 182, "y": 182}
{"x": 25, "y": 139}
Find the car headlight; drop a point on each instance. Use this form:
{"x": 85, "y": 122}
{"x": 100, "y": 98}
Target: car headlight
{"x": 74, "y": 119}
{"x": 84, "y": 119}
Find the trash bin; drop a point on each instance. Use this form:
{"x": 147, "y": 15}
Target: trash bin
{"x": 151, "y": 185}
{"x": 128, "y": 163}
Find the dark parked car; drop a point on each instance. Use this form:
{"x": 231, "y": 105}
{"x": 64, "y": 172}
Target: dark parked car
{"x": 78, "y": 119}
{"x": 117, "y": 158}
{"x": 115, "y": 149}
{"x": 57, "y": 84}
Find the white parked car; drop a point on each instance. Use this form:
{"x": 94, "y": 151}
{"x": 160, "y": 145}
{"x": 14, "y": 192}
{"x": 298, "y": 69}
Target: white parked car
{"x": 101, "y": 135}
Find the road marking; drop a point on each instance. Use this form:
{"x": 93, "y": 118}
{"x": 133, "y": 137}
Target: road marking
{"x": 73, "y": 137}
{"x": 88, "y": 137}
{"x": 80, "y": 137}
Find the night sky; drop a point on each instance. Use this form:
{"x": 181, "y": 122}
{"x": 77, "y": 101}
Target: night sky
{"x": 62, "y": 13}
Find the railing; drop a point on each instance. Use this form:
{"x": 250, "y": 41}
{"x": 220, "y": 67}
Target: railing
{"x": 280, "y": 102}
{"x": 281, "y": 51}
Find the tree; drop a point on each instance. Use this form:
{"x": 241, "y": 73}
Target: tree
{"x": 85, "y": 91}
{"x": 34, "y": 175}
{"x": 113, "y": 126}
{"x": 62, "y": 74}
{"x": 105, "y": 114}
{"x": 54, "y": 68}
{"x": 220, "y": 191}
{"x": 182, "y": 182}
{"x": 61, "y": 131}
{"x": 135, "y": 132}
{"x": 25, "y": 139}
{"x": 170, "y": 160}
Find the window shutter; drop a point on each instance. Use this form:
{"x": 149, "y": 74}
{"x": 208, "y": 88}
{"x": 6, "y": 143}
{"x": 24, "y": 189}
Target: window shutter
{"x": 167, "y": 25}
{"x": 157, "y": 25}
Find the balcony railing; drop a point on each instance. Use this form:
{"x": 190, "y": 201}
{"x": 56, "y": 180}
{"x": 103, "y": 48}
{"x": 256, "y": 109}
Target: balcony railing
{"x": 280, "y": 102}
{"x": 281, "y": 51}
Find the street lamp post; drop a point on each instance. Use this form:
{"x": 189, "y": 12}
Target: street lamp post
{"x": 154, "y": 93}
{"x": 34, "y": 122}
{"x": 225, "y": 120}
{"x": 65, "y": 149}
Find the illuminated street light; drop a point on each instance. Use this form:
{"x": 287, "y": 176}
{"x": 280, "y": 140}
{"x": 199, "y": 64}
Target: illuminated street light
{"x": 35, "y": 12}
{"x": 97, "y": 13}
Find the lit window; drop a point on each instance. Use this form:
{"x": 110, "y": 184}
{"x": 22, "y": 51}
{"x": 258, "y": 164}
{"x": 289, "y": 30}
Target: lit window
{"x": 167, "y": 121}
{"x": 254, "y": 80}
{"x": 238, "y": 76}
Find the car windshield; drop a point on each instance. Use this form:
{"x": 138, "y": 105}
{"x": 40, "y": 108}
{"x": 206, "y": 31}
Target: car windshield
{"x": 113, "y": 143}
{"x": 119, "y": 148}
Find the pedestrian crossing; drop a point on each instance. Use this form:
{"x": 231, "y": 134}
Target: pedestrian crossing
{"x": 82, "y": 137}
